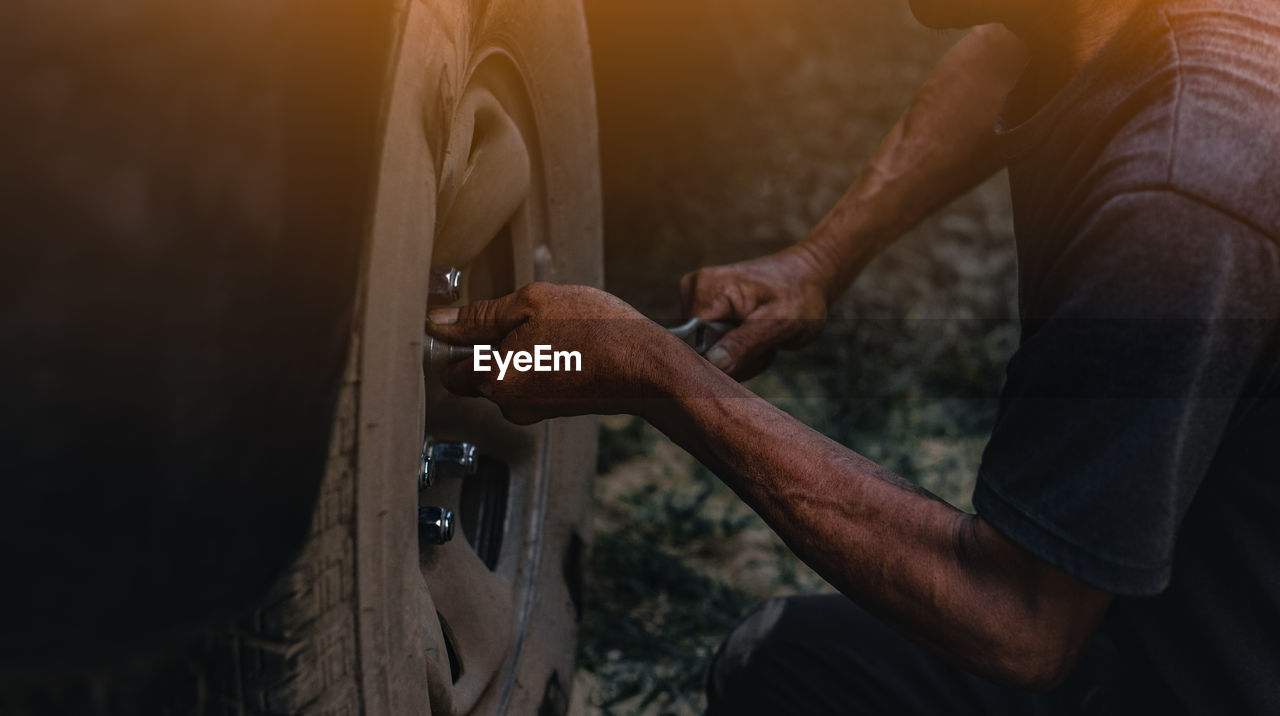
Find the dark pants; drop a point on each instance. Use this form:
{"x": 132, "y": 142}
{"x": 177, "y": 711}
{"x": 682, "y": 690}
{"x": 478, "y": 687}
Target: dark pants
{"x": 825, "y": 655}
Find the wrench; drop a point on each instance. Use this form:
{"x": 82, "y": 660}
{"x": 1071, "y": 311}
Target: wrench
{"x": 700, "y": 335}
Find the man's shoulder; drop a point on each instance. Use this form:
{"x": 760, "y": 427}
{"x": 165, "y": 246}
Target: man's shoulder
{"x": 1225, "y": 134}
{"x": 1200, "y": 111}
{"x": 1184, "y": 101}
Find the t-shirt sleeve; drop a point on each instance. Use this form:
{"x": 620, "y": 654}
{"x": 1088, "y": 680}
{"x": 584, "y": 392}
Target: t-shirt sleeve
{"x": 1152, "y": 329}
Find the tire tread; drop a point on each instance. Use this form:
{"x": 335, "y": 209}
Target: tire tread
{"x": 296, "y": 654}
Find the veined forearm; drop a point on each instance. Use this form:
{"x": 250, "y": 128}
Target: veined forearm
{"x": 943, "y": 146}
{"x": 880, "y": 541}
{"x": 940, "y": 575}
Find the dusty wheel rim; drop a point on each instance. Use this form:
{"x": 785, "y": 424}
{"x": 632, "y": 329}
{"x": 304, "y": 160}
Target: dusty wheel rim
{"x": 483, "y": 584}
{"x": 471, "y": 191}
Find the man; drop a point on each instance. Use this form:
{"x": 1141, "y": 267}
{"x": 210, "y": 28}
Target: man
{"x": 1125, "y": 554}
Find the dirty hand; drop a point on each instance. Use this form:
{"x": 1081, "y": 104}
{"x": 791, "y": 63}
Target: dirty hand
{"x": 781, "y": 300}
{"x": 620, "y": 352}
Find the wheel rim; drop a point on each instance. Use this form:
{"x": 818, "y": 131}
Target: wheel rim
{"x": 483, "y": 582}
{"x": 437, "y": 202}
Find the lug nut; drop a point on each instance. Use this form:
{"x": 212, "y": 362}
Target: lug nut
{"x": 435, "y": 525}
{"x": 438, "y": 355}
{"x": 446, "y": 458}
{"x": 444, "y": 285}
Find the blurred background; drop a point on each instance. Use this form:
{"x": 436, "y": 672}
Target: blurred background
{"x": 728, "y": 128}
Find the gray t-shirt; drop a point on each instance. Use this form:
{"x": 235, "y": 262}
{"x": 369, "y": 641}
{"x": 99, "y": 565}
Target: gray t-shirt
{"x": 1138, "y": 441}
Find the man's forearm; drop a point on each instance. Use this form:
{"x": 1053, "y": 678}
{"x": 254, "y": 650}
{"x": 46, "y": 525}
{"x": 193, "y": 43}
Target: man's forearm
{"x": 943, "y": 577}
{"x": 942, "y": 147}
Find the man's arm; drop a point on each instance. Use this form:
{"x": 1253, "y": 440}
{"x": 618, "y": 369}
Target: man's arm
{"x": 942, "y": 147}
{"x": 941, "y": 576}
{"x": 946, "y": 578}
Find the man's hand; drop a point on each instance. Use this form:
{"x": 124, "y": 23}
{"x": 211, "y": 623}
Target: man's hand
{"x": 943, "y": 147}
{"x": 781, "y": 300}
{"x": 621, "y": 351}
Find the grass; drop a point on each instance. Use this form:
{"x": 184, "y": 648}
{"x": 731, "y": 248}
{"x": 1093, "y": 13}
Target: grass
{"x": 659, "y": 598}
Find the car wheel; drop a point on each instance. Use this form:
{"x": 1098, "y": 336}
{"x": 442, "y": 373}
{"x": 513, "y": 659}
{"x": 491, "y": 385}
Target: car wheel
{"x": 489, "y": 166}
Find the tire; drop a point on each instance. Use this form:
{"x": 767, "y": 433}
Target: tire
{"x": 504, "y": 184}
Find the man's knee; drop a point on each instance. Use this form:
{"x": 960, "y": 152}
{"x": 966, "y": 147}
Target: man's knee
{"x": 733, "y": 669}
{"x": 783, "y": 653}
{"x": 814, "y": 653}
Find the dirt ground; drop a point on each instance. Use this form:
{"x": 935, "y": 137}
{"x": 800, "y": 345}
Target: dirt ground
{"x": 728, "y": 128}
